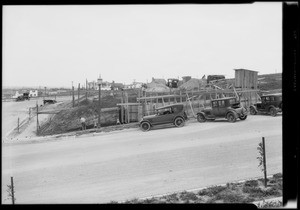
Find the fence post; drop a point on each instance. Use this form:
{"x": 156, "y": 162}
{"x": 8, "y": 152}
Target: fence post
{"x": 264, "y": 160}
{"x": 37, "y": 119}
{"x": 73, "y": 97}
{"x": 79, "y": 93}
{"x": 12, "y": 190}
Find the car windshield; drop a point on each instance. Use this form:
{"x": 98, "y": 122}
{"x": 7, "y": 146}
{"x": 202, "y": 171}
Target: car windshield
{"x": 232, "y": 101}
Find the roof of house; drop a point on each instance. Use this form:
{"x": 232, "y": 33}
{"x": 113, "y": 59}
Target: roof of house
{"x": 162, "y": 81}
{"x": 117, "y": 84}
{"x": 244, "y": 70}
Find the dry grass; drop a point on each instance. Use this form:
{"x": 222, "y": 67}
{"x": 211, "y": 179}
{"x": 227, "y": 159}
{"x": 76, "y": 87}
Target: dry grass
{"x": 246, "y": 192}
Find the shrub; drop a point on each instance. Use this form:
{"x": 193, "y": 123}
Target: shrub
{"x": 150, "y": 201}
{"x": 253, "y": 191}
{"x": 229, "y": 196}
{"x": 277, "y": 176}
{"x": 272, "y": 192}
{"x": 172, "y": 198}
{"x": 251, "y": 183}
{"x": 270, "y": 204}
{"x": 212, "y": 190}
{"x": 187, "y": 196}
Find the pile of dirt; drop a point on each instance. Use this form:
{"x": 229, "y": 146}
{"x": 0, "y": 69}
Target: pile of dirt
{"x": 69, "y": 119}
{"x": 193, "y": 84}
{"x": 156, "y": 87}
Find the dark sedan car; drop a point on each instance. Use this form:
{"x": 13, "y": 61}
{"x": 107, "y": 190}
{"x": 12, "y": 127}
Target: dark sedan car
{"x": 174, "y": 114}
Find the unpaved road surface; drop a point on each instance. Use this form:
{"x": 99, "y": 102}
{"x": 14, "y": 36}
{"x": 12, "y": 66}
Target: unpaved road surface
{"x": 130, "y": 163}
{"x": 13, "y": 110}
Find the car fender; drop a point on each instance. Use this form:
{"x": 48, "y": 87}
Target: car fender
{"x": 254, "y": 107}
{"x": 146, "y": 121}
{"x": 201, "y": 113}
{"x": 178, "y": 117}
{"x": 231, "y": 111}
{"x": 272, "y": 106}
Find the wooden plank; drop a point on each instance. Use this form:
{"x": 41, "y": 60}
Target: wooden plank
{"x": 129, "y": 104}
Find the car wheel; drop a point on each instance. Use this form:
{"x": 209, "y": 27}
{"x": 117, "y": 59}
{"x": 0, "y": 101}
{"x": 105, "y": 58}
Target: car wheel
{"x": 201, "y": 118}
{"x": 273, "y": 112}
{"x": 145, "y": 126}
{"x": 244, "y": 117}
{"x": 253, "y": 111}
{"x": 231, "y": 117}
{"x": 179, "y": 122}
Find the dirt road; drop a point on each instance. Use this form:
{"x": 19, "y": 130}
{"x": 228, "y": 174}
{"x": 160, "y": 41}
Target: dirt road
{"x": 13, "y": 110}
{"x": 130, "y": 163}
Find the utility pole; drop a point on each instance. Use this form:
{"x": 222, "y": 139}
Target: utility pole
{"x": 12, "y": 190}
{"x": 45, "y": 93}
{"x": 78, "y": 92}
{"x": 264, "y": 160}
{"x": 37, "y": 118}
{"x": 73, "y": 97}
{"x": 86, "y": 91}
{"x": 99, "y": 99}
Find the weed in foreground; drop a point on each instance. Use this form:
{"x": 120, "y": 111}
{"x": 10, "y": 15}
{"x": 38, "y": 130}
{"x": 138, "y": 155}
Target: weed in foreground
{"x": 251, "y": 183}
{"x": 229, "y": 196}
{"x": 270, "y": 204}
{"x": 212, "y": 190}
{"x": 188, "y": 196}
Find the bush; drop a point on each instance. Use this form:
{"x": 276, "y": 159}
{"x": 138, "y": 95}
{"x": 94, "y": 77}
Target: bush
{"x": 212, "y": 190}
{"x": 251, "y": 183}
{"x": 272, "y": 192}
{"x": 270, "y": 204}
{"x": 172, "y": 198}
{"x": 229, "y": 196}
{"x": 187, "y": 196}
{"x": 150, "y": 201}
{"x": 277, "y": 176}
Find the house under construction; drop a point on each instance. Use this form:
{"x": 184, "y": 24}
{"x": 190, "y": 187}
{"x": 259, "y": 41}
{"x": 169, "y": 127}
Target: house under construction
{"x": 195, "y": 96}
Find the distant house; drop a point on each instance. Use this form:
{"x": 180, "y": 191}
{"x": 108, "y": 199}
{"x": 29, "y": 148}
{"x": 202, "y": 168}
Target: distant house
{"x": 106, "y": 86}
{"x": 33, "y": 93}
{"x": 116, "y": 86}
{"x": 137, "y": 84}
{"x": 93, "y": 85}
{"x": 17, "y": 94}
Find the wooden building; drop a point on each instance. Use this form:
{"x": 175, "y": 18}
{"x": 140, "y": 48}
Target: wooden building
{"x": 245, "y": 79}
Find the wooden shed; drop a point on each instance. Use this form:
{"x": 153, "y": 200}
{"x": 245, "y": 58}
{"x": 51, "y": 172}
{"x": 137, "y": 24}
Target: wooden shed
{"x": 246, "y": 79}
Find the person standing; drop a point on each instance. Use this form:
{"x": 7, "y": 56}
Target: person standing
{"x": 83, "y": 124}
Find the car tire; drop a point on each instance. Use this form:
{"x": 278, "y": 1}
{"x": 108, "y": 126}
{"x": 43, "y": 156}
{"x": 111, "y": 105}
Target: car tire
{"x": 253, "y": 111}
{"x": 179, "y": 122}
{"x": 201, "y": 118}
{"x": 273, "y": 112}
{"x": 231, "y": 117}
{"x": 244, "y": 117}
{"x": 145, "y": 126}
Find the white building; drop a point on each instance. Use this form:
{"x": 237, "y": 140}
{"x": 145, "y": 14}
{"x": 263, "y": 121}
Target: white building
{"x": 33, "y": 93}
{"x": 17, "y": 94}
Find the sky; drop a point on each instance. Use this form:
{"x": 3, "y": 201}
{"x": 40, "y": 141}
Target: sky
{"x": 54, "y": 46}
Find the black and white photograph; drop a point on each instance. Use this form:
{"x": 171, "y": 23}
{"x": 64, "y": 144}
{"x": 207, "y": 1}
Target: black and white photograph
{"x": 143, "y": 104}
